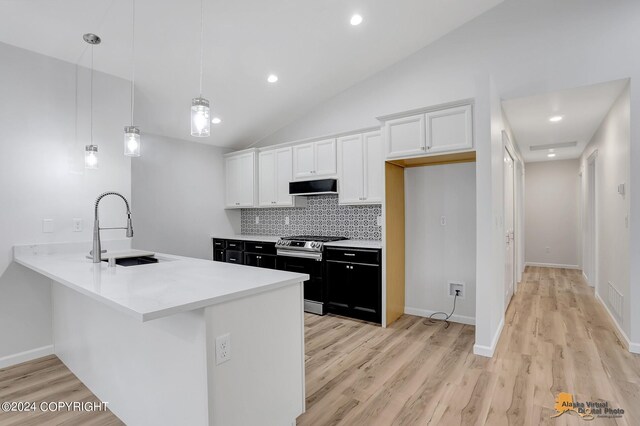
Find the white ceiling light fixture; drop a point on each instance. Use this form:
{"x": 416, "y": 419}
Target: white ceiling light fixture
{"x": 556, "y": 118}
{"x": 216, "y": 120}
{"x": 551, "y": 155}
{"x": 132, "y": 143}
{"x": 200, "y": 111}
{"x": 91, "y": 150}
{"x": 272, "y": 78}
{"x": 356, "y": 20}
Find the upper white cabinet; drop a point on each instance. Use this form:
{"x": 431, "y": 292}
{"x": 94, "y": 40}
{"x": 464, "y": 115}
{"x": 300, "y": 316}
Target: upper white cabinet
{"x": 360, "y": 164}
{"x": 405, "y": 136}
{"x": 435, "y": 131}
{"x": 314, "y": 160}
{"x": 450, "y": 129}
{"x": 240, "y": 173}
{"x": 275, "y": 172}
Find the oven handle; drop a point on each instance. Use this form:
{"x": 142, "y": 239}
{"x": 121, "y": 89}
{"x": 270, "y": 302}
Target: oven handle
{"x": 298, "y": 253}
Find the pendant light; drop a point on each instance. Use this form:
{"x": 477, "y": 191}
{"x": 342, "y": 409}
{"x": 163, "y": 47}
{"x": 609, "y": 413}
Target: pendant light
{"x": 200, "y": 112}
{"x": 91, "y": 150}
{"x": 132, "y": 143}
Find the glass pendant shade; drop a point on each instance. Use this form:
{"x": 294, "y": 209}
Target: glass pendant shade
{"x": 132, "y": 141}
{"x": 200, "y": 117}
{"x": 91, "y": 157}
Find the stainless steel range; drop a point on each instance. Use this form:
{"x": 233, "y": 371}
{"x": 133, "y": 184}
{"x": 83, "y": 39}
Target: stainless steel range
{"x": 303, "y": 254}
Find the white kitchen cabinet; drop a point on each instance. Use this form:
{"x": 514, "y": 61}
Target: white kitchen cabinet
{"x": 405, "y": 136}
{"x": 433, "y": 132}
{"x": 373, "y": 166}
{"x": 314, "y": 160}
{"x": 450, "y": 129}
{"x": 240, "y": 174}
{"x": 351, "y": 164}
{"x": 360, "y": 163}
{"x": 275, "y": 172}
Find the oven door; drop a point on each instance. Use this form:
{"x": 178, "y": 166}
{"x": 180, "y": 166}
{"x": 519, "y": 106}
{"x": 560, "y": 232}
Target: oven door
{"x": 306, "y": 263}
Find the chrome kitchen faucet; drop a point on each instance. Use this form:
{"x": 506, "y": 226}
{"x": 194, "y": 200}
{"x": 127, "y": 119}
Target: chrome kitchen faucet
{"x": 96, "y": 253}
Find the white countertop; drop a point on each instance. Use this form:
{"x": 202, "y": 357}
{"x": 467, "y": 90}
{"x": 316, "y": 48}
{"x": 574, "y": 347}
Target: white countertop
{"x": 175, "y": 284}
{"x": 370, "y": 244}
{"x": 262, "y": 238}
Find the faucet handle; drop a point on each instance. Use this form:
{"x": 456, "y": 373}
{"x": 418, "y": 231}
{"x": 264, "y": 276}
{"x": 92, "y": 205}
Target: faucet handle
{"x": 101, "y": 251}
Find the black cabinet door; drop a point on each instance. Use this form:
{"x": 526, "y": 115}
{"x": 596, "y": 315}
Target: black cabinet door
{"x": 260, "y": 260}
{"x": 218, "y": 255}
{"x": 313, "y": 287}
{"x": 339, "y": 289}
{"x": 366, "y": 292}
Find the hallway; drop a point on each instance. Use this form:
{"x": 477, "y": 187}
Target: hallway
{"x": 557, "y": 338}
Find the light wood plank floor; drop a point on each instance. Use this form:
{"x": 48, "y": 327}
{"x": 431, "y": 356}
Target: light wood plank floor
{"x": 557, "y": 337}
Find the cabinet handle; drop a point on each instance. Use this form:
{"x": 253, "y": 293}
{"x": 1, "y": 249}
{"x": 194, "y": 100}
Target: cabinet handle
{"x": 258, "y": 247}
{"x": 349, "y": 254}
{"x": 232, "y": 259}
{"x": 258, "y": 257}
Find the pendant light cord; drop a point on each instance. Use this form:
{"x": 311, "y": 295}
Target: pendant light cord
{"x": 91, "y": 97}
{"x": 201, "y": 42}
{"x": 133, "y": 57}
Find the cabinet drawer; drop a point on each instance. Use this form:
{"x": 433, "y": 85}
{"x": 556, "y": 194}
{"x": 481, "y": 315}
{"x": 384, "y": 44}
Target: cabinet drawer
{"x": 353, "y": 255}
{"x": 233, "y": 256}
{"x": 259, "y": 247}
{"x": 219, "y": 244}
{"x": 235, "y": 245}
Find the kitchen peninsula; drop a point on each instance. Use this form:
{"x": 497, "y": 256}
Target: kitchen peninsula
{"x": 172, "y": 342}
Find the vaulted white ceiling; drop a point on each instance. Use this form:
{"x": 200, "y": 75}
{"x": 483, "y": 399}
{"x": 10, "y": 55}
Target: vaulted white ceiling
{"x": 309, "y": 44}
{"x": 582, "y": 110}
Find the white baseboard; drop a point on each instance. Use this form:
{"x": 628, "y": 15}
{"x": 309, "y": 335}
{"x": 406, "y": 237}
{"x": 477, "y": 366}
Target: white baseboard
{"x": 425, "y": 313}
{"x": 631, "y": 347}
{"x": 552, "y": 265}
{"x": 9, "y": 360}
{"x": 488, "y": 351}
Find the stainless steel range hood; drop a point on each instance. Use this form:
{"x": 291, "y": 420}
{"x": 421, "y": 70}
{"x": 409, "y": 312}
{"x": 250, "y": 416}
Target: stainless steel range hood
{"x": 314, "y": 187}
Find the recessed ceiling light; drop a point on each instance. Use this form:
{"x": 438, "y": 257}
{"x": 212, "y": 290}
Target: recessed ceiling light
{"x": 356, "y": 20}
{"x": 216, "y": 120}
{"x": 556, "y": 118}
{"x": 551, "y": 155}
{"x": 272, "y": 78}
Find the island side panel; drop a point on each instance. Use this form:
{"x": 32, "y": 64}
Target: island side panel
{"x": 263, "y": 381}
{"x": 149, "y": 373}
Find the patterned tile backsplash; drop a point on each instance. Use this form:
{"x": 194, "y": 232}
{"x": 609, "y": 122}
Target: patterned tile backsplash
{"x": 322, "y": 216}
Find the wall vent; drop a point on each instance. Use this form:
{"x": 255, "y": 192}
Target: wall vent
{"x": 614, "y": 299}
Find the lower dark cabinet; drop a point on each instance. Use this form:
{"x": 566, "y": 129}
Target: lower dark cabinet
{"x": 354, "y": 289}
{"x": 260, "y": 260}
{"x": 218, "y": 255}
{"x": 232, "y": 256}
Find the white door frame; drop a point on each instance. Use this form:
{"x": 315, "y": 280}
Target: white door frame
{"x": 508, "y": 150}
{"x": 590, "y": 257}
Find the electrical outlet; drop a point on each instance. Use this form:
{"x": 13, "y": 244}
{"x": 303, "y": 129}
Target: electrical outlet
{"x": 286, "y": 220}
{"x": 459, "y": 286}
{"x": 443, "y": 221}
{"x": 547, "y": 249}
{"x": 379, "y": 221}
{"x": 223, "y": 348}
{"x": 77, "y": 225}
{"x": 257, "y": 220}
{"x": 47, "y": 226}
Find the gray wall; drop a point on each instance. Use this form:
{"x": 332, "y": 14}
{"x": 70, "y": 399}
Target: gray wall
{"x": 42, "y": 176}
{"x": 178, "y": 197}
{"x": 551, "y": 210}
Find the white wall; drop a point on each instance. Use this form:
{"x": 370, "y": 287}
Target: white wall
{"x": 552, "y": 225}
{"x": 612, "y": 141}
{"x": 178, "y": 197}
{"x": 527, "y": 47}
{"x": 437, "y": 254}
{"x": 42, "y": 176}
